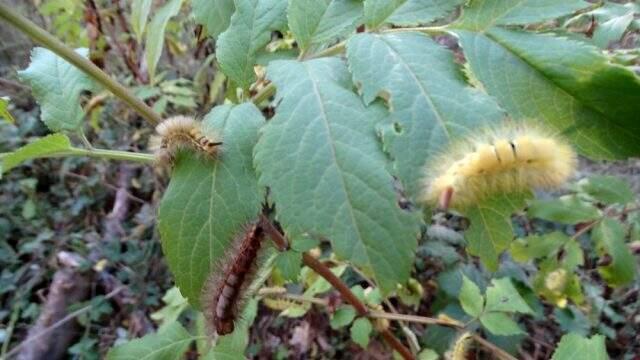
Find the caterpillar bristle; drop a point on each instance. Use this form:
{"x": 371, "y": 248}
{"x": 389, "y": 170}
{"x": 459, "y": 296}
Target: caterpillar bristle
{"x": 224, "y": 294}
{"x": 183, "y": 133}
{"x": 461, "y": 347}
{"x": 501, "y": 160}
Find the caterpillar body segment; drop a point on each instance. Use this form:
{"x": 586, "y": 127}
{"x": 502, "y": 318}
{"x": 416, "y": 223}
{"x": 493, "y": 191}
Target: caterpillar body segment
{"x": 503, "y": 160}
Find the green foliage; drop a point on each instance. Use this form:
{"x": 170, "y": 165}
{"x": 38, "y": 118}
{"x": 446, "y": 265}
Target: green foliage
{"x": 361, "y": 331}
{"x": 206, "y": 205}
{"x": 156, "y": 31}
{"x": 470, "y": 298}
{"x": 565, "y": 210}
{"x": 410, "y": 12}
{"x": 57, "y": 85}
{"x": 167, "y": 344}
{"x": 215, "y": 16}
{"x": 249, "y": 31}
{"x": 289, "y": 263}
{"x": 342, "y": 189}
{"x": 47, "y": 146}
{"x": 4, "y": 111}
{"x": 573, "y": 346}
{"x": 343, "y": 316}
{"x": 313, "y": 22}
{"x": 609, "y": 237}
{"x": 607, "y": 189}
{"x": 139, "y": 15}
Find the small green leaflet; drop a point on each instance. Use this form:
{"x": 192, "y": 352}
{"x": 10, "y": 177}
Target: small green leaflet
{"x": 470, "y": 297}
{"x": 499, "y": 323}
{"x": 250, "y": 31}
{"x": 175, "y": 304}
{"x": 406, "y": 12}
{"x": 609, "y": 237}
{"x": 168, "y": 344}
{"x": 490, "y": 231}
{"x": 537, "y": 246}
{"x": 429, "y": 101}
{"x": 361, "y": 331}
{"x": 503, "y": 296}
{"x": 207, "y": 204}
{"x": 566, "y": 210}
{"x": 612, "y": 30}
{"x": 155, "y": 33}
{"x": 321, "y": 159}
{"x": 215, "y": 16}
{"x": 574, "y": 346}
{"x": 318, "y": 21}
{"x": 607, "y": 189}
{"x": 56, "y": 85}
{"x": 49, "y": 145}
{"x": 343, "y": 316}
{"x": 289, "y": 263}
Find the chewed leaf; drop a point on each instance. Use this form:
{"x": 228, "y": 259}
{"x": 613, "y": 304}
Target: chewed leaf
{"x": 327, "y": 174}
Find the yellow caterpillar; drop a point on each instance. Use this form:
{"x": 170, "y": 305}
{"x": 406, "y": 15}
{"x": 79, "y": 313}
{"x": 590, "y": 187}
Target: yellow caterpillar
{"x": 180, "y": 133}
{"x": 502, "y": 160}
{"x": 461, "y": 347}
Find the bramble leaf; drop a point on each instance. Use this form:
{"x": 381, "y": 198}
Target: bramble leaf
{"x": 320, "y": 157}
{"x": 207, "y": 203}
{"x": 470, "y": 297}
{"x": 314, "y": 22}
{"x": 409, "y": 12}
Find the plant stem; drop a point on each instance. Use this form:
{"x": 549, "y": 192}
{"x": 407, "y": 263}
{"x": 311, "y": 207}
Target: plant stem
{"x": 47, "y": 40}
{"x": 416, "y": 319}
{"x": 110, "y": 154}
{"x": 346, "y": 293}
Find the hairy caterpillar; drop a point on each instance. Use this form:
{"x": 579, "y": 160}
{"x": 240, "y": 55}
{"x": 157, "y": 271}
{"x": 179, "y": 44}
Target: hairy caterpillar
{"x": 461, "y": 347}
{"x": 506, "y": 159}
{"x": 225, "y": 290}
{"x": 182, "y": 132}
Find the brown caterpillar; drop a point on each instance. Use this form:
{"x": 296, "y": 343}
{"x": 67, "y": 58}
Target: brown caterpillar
{"x": 224, "y": 292}
{"x": 180, "y": 133}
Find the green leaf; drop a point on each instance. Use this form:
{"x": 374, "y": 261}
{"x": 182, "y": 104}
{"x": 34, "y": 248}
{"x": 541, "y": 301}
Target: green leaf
{"x": 611, "y": 30}
{"x": 429, "y": 100}
{"x": 304, "y": 243}
{"x": 168, "y": 344}
{"x": 574, "y": 346}
{"x": 320, "y": 157}
{"x": 537, "y": 246}
{"x": 609, "y": 237}
{"x": 214, "y": 15}
{"x": 232, "y": 346}
{"x": 249, "y": 31}
{"x": 361, "y": 331}
{"x": 320, "y": 21}
{"x": 503, "y": 296}
{"x": 428, "y": 354}
{"x": 490, "y": 231}
{"x": 57, "y": 85}
{"x": 499, "y": 323}
{"x": 482, "y": 14}
{"x": 155, "y": 34}
{"x": 207, "y": 204}
{"x": 470, "y": 297}
{"x": 175, "y": 304}
{"x": 607, "y": 189}
{"x": 407, "y": 13}
{"x": 139, "y": 14}
{"x": 343, "y": 316}
{"x": 4, "y": 111}
{"x": 289, "y": 263}
{"x": 320, "y": 285}
{"x": 49, "y": 145}
{"x": 568, "y": 85}
{"x": 566, "y": 210}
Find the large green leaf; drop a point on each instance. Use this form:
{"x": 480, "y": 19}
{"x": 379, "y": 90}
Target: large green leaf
{"x": 317, "y": 21}
{"x": 250, "y": 30}
{"x": 47, "y": 146}
{"x": 168, "y": 344}
{"x": 483, "y": 14}
{"x": 427, "y": 95}
{"x": 566, "y": 84}
{"x": 406, "y": 12}
{"x": 214, "y": 15}
{"x": 327, "y": 174}
{"x": 155, "y": 33}
{"x": 609, "y": 236}
{"x": 207, "y": 203}
{"x": 56, "y": 85}
{"x": 490, "y": 231}
{"x": 574, "y": 346}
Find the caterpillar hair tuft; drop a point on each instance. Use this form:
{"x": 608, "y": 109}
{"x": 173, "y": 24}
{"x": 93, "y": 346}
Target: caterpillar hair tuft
{"x": 183, "y": 133}
{"x": 500, "y": 160}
